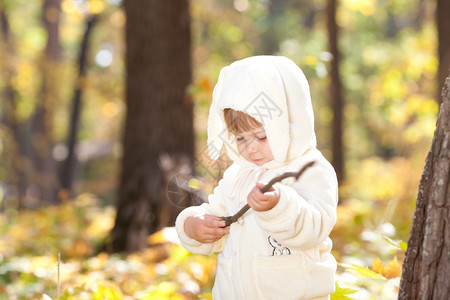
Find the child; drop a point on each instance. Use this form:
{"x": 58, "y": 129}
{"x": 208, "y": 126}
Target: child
{"x": 279, "y": 249}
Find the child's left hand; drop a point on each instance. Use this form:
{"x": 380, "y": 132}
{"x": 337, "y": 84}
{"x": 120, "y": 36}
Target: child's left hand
{"x": 262, "y": 202}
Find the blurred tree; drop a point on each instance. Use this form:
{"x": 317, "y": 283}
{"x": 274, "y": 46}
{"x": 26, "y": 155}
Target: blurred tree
{"x": 272, "y": 34}
{"x": 51, "y": 13}
{"x": 427, "y": 260}
{"x": 17, "y": 146}
{"x": 335, "y": 90}
{"x": 159, "y": 117}
{"x": 42, "y": 139}
{"x": 68, "y": 168}
{"x": 443, "y": 27}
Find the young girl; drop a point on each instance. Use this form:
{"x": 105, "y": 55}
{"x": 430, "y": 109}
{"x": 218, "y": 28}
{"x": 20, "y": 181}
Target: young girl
{"x": 279, "y": 249}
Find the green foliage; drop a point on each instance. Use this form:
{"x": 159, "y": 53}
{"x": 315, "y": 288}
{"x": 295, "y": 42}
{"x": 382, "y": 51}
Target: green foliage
{"x": 341, "y": 293}
{"x": 398, "y": 244}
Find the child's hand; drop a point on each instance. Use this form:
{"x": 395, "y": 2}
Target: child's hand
{"x": 262, "y": 202}
{"x": 205, "y": 228}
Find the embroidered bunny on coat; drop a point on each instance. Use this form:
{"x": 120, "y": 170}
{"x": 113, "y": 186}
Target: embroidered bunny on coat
{"x": 278, "y": 249}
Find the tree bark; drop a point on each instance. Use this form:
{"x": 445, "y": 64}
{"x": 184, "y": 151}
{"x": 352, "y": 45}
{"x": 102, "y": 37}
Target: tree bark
{"x": 159, "y": 117}
{"x": 335, "y": 91}
{"x": 427, "y": 260}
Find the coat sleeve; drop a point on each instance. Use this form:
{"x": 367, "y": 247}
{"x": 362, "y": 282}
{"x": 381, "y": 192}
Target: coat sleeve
{"x": 216, "y": 207}
{"x": 306, "y": 211}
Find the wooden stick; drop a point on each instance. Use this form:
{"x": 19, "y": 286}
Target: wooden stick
{"x": 231, "y": 219}
{"x": 58, "y": 287}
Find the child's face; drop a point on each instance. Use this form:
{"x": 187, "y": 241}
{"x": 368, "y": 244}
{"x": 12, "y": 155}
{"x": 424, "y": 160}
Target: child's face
{"x": 254, "y": 146}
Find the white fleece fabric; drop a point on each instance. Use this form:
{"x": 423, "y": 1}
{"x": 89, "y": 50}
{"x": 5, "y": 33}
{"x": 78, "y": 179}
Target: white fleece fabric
{"x": 282, "y": 253}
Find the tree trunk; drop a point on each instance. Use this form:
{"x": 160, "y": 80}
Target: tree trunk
{"x": 17, "y": 147}
{"x": 159, "y": 118}
{"x": 443, "y": 27}
{"x": 42, "y": 121}
{"x": 335, "y": 91}
{"x": 50, "y": 16}
{"x": 272, "y": 34}
{"x": 427, "y": 261}
{"x": 69, "y": 166}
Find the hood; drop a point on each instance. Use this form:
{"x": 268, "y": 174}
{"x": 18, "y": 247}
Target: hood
{"x": 274, "y": 91}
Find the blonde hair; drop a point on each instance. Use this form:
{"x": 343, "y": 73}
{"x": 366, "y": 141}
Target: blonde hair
{"x": 238, "y": 122}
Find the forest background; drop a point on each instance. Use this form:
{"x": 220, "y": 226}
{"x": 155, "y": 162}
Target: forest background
{"x": 54, "y": 241}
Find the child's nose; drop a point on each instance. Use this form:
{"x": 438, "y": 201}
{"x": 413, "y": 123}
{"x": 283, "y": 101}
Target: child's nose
{"x": 252, "y": 146}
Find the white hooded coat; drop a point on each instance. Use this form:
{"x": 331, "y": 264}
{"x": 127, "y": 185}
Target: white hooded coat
{"x": 282, "y": 253}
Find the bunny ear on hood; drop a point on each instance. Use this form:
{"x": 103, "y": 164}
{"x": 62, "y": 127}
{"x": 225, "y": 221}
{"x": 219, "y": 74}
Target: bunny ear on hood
{"x": 274, "y": 91}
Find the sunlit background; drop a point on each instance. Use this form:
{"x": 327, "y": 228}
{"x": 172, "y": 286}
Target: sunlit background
{"x": 389, "y": 73}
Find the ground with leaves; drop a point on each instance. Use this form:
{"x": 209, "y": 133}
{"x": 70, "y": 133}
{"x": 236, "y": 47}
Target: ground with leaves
{"x": 29, "y": 266}
{"x": 32, "y": 240}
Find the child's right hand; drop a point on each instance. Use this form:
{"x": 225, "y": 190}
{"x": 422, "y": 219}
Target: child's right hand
{"x": 205, "y": 228}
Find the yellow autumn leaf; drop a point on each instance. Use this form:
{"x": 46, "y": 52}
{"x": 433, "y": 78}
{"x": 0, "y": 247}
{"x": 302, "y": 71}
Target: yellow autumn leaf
{"x": 195, "y": 183}
{"x": 96, "y": 6}
{"x": 204, "y": 84}
{"x": 393, "y": 269}
{"x": 156, "y": 238}
{"x": 167, "y": 288}
{"x": 100, "y": 225}
{"x": 206, "y": 296}
{"x": 399, "y": 244}
{"x": 363, "y": 271}
{"x": 107, "y": 291}
{"x": 378, "y": 266}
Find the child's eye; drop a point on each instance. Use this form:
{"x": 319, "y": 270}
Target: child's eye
{"x": 261, "y": 138}
{"x": 239, "y": 138}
